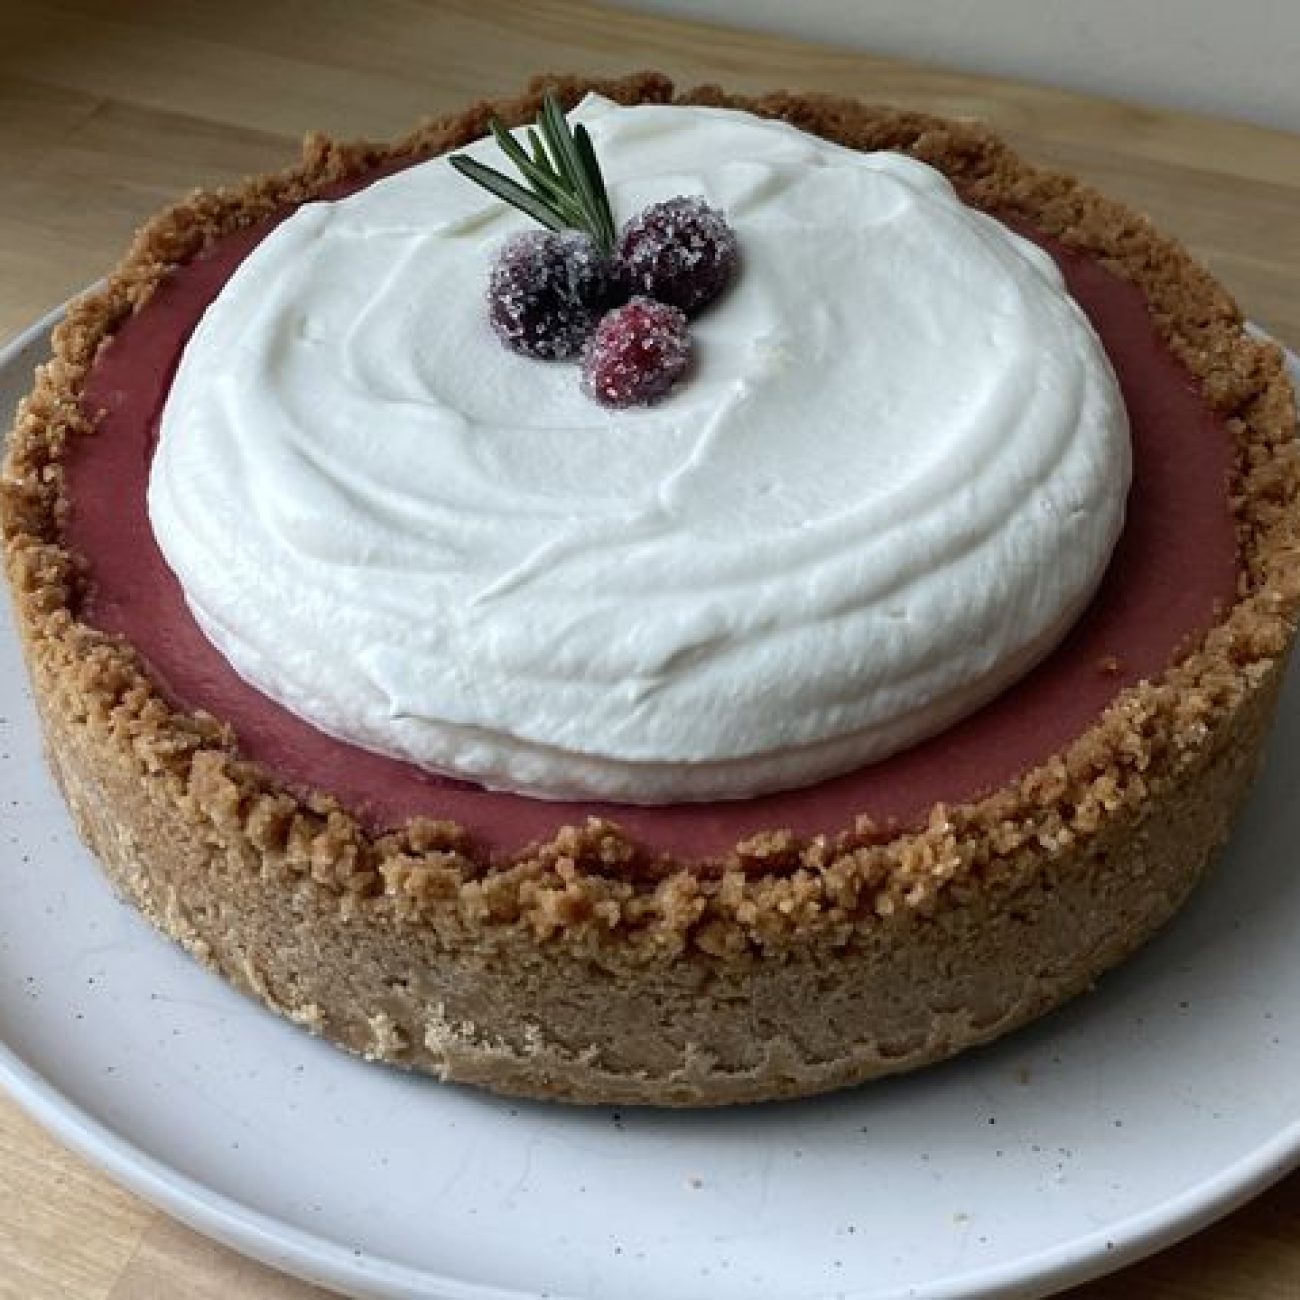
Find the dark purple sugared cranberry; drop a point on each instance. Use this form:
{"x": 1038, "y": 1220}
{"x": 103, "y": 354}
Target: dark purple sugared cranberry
{"x": 547, "y": 292}
{"x": 638, "y": 352}
{"x": 681, "y": 251}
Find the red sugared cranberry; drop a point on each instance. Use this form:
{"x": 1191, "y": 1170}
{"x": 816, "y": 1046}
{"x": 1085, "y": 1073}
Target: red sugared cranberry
{"x": 681, "y": 251}
{"x": 547, "y": 292}
{"x": 638, "y": 352}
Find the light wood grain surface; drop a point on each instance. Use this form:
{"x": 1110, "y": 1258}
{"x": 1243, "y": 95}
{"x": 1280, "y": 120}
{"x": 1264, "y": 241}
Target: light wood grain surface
{"x": 108, "y": 108}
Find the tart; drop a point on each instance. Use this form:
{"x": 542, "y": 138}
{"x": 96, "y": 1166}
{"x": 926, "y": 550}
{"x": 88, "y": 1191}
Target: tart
{"x": 692, "y": 953}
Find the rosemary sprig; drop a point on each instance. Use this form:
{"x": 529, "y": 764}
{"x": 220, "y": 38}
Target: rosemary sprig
{"x": 563, "y": 187}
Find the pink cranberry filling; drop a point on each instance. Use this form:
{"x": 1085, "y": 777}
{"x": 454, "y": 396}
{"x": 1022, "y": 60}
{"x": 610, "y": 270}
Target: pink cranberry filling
{"x": 1175, "y": 567}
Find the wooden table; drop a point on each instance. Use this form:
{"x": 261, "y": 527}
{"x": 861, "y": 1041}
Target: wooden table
{"x": 108, "y": 108}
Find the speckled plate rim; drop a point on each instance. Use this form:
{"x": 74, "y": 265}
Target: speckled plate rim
{"x": 325, "y": 1262}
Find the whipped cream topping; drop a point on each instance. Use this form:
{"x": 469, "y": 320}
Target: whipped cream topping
{"x": 889, "y": 485}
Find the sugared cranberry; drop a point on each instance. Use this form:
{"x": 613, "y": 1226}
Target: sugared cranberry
{"x": 547, "y": 292}
{"x": 638, "y": 352}
{"x": 681, "y": 251}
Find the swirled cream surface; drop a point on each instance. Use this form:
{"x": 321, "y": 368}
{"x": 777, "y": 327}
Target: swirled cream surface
{"x": 889, "y": 485}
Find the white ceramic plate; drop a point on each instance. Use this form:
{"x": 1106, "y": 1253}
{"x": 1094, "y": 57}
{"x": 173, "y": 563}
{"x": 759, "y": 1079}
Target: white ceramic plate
{"x": 1131, "y": 1118}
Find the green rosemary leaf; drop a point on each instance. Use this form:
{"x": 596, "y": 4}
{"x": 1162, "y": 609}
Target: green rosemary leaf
{"x": 563, "y": 187}
{"x": 517, "y": 155}
{"x": 510, "y": 191}
{"x": 548, "y": 186}
{"x": 556, "y": 128}
{"x": 540, "y": 155}
{"x": 509, "y": 145}
{"x": 555, "y": 139}
{"x": 591, "y": 167}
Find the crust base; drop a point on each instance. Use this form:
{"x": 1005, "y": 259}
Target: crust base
{"x": 682, "y": 1027}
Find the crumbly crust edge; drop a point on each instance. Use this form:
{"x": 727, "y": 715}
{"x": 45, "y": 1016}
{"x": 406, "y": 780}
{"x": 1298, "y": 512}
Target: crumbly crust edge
{"x": 591, "y": 883}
